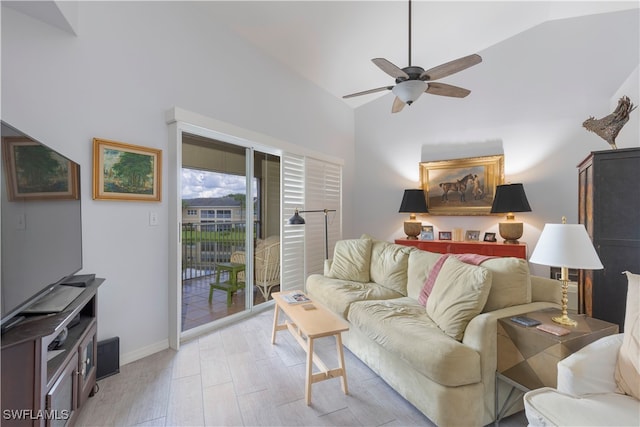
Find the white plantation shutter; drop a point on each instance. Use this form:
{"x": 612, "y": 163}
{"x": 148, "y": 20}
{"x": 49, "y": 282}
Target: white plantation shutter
{"x": 308, "y": 184}
{"x": 292, "y": 244}
{"x": 322, "y": 191}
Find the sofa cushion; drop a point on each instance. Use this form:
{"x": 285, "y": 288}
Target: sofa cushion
{"x": 474, "y": 259}
{"x": 627, "y": 371}
{"x": 389, "y": 265}
{"x": 402, "y": 326}
{"x": 459, "y": 294}
{"x": 510, "y": 283}
{"x": 431, "y": 280}
{"x": 420, "y": 265}
{"x": 351, "y": 260}
{"x": 338, "y": 294}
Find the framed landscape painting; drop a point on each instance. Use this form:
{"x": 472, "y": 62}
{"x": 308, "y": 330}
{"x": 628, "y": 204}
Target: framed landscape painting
{"x": 126, "y": 172}
{"x": 462, "y": 186}
{"x": 36, "y": 172}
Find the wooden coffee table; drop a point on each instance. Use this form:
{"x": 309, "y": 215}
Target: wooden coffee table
{"x": 306, "y": 325}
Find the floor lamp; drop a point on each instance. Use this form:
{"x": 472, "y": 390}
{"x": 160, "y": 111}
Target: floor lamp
{"x": 296, "y": 219}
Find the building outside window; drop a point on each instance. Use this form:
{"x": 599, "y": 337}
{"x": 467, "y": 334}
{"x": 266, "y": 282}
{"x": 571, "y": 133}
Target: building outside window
{"x": 224, "y": 214}
{"x": 208, "y": 213}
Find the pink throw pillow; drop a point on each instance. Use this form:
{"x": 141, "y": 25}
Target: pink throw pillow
{"x": 473, "y": 259}
{"x": 431, "y": 280}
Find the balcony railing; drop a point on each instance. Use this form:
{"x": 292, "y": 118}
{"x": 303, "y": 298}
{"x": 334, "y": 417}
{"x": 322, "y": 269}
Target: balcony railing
{"x": 206, "y": 243}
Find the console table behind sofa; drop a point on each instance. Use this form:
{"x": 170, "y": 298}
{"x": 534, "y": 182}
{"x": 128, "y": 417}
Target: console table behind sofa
{"x": 481, "y": 248}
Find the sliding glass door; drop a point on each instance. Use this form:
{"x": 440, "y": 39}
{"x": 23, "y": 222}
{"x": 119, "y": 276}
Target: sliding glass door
{"x": 230, "y": 229}
{"x": 231, "y": 192}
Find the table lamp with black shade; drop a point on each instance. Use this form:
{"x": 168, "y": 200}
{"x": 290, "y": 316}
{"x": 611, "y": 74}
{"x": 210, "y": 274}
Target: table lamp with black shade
{"x": 565, "y": 246}
{"x": 413, "y": 202}
{"x": 510, "y": 198}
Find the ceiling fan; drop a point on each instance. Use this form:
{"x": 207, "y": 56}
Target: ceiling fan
{"x": 412, "y": 81}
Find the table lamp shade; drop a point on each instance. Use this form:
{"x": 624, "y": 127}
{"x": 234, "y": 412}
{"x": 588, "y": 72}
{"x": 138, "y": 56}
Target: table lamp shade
{"x": 566, "y": 245}
{"x": 510, "y": 198}
{"x": 413, "y": 201}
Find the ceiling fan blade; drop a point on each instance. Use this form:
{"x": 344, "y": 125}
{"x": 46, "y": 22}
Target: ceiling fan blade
{"x": 444, "y": 89}
{"x": 451, "y": 67}
{"x": 390, "y": 68}
{"x": 366, "y": 92}
{"x": 398, "y": 105}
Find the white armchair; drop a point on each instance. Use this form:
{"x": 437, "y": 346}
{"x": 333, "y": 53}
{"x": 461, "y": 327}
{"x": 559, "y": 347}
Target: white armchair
{"x": 266, "y": 264}
{"x": 586, "y": 394}
{"x": 599, "y": 384}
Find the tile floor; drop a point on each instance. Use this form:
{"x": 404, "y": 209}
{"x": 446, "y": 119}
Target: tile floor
{"x": 234, "y": 376}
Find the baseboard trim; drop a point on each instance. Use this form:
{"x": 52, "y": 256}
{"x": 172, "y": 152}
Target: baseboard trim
{"x": 193, "y": 334}
{"x": 144, "y": 352}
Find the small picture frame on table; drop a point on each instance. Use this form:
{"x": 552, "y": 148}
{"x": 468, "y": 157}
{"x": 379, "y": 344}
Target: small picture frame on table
{"x": 427, "y": 232}
{"x": 444, "y": 235}
{"x": 472, "y": 235}
{"x": 489, "y": 237}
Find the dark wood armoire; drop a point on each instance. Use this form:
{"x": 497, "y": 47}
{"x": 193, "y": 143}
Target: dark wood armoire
{"x": 609, "y": 207}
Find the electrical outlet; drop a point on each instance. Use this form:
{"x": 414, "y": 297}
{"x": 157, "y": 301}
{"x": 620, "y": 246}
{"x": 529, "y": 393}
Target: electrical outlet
{"x": 153, "y": 218}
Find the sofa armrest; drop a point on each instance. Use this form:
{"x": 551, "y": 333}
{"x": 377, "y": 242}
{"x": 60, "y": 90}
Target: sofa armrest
{"x": 482, "y": 329}
{"x": 546, "y": 290}
{"x": 590, "y": 370}
{"x": 327, "y": 266}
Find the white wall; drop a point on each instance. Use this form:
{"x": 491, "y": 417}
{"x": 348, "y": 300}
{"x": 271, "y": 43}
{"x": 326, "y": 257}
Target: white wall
{"x": 528, "y": 102}
{"x": 129, "y": 63}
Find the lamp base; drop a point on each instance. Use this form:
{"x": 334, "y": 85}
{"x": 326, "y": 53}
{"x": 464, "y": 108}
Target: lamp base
{"x": 564, "y": 318}
{"x": 511, "y": 231}
{"x": 412, "y": 229}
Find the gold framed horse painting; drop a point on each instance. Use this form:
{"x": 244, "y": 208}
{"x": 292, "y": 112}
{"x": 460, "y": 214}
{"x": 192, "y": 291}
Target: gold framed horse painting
{"x": 462, "y": 186}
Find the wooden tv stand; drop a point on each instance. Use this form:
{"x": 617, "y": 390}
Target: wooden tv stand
{"x": 37, "y": 391}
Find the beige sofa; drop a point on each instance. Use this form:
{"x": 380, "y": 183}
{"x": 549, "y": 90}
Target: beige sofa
{"x": 440, "y": 356}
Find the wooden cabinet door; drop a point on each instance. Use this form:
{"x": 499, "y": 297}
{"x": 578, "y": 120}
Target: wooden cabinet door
{"x": 62, "y": 398}
{"x": 609, "y": 202}
{"x": 87, "y": 351}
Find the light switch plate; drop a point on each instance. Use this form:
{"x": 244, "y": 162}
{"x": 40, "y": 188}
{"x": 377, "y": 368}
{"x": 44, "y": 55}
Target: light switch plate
{"x": 153, "y": 218}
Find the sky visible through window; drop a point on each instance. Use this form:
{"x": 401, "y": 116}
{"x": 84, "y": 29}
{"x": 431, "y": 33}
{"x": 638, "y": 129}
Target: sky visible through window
{"x": 199, "y": 183}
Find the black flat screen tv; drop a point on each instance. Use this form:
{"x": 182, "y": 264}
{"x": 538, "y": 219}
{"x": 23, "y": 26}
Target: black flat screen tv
{"x": 41, "y": 222}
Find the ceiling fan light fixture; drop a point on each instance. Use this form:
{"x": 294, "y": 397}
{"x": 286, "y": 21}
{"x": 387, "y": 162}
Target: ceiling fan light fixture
{"x": 410, "y": 90}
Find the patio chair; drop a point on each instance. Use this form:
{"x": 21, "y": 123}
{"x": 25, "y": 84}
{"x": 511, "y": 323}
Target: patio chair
{"x": 266, "y": 264}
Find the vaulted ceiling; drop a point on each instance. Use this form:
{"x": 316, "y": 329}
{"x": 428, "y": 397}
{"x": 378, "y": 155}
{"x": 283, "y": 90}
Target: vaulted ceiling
{"x": 331, "y": 43}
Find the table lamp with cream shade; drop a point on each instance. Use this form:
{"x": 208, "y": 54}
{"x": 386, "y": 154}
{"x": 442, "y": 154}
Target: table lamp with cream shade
{"x": 565, "y": 246}
{"x": 413, "y": 202}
